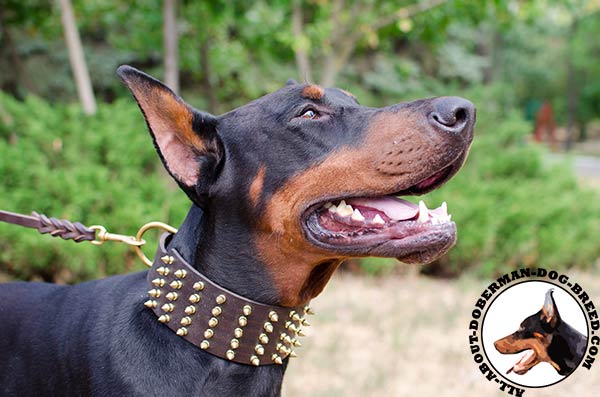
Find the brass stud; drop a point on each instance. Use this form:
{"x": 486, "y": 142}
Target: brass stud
{"x": 273, "y": 316}
{"x": 172, "y": 296}
{"x": 263, "y": 338}
{"x": 189, "y": 310}
{"x": 242, "y": 321}
{"x": 209, "y": 333}
{"x": 259, "y": 349}
{"x": 163, "y": 271}
{"x": 304, "y": 322}
{"x": 268, "y": 327}
{"x": 285, "y": 337}
{"x": 290, "y": 325}
{"x": 158, "y": 282}
{"x": 247, "y": 310}
{"x": 150, "y": 304}
{"x": 308, "y": 310}
{"x": 194, "y": 298}
{"x": 168, "y": 307}
{"x": 216, "y": 311}
{"x": 283, "y": 349}
{"x": 220, "y": 299}
{"x": 299, "y": 332}
{"x": 181, "y": 273}
{"x": 182, "y": 331}
{"x": 155, "y": 293}
{"x": 295, "y": 316}
{"x": 167, "y": 259}
{"x": 213, "y": 322}
{"x": 230, "y": 354}
{"x": 293, "y": 354}
{"x": 238, "y": 332}
{"x": 277, "y": 359}
{"x": 176, "y": 284}
{"x": 296, "y": 342}
{"x": 186, "y": 321}
{"x": 198, "y": 286}
{"x": 234, "y": 343}
{"x": 204, "y": 344}
{"x": 165, "y": 318}
{"x": 255, "y": 361}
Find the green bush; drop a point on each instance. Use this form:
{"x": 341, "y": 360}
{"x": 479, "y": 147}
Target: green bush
{"x": 101, "y": 169}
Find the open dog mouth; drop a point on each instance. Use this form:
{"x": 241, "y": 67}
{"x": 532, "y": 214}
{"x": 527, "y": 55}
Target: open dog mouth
{"x": 386, "y": 226}
{"x": 524, "y": 364}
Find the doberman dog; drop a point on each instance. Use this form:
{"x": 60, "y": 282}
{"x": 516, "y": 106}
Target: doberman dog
{"x": 283, "y": 189}
{"x": 545, "y": 337}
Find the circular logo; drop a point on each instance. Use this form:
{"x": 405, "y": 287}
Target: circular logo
{"x": 533, "y": 328}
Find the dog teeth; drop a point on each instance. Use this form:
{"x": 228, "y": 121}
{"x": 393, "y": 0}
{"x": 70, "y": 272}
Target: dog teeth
{"x": 328, "y": 205}
{"x": 423, "y": 212}
{"x": 344, "y": 210}
{"x": 332, "y": 209}
{"x": 378, "y": 220}
{"x": 444, "y": 208}
{"x": 357, "y": 216}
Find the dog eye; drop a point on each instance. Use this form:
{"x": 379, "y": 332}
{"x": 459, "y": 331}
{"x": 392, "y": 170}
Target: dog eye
{"x": 310, "y": 114}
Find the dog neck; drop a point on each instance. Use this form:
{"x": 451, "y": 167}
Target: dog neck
{"x": 223, "y": 256}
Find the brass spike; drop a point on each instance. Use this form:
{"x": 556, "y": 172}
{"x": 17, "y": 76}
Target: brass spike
{"x": 209, "y": 333}
{"x": 304, "y": 322}
{"x": 238, "y": 332}
{"x": 247, "y": 310}
{"x": 172, "y": 296}
{"x": 213, "y": 322}
{"x": 234, "y": 343}
{"x": 181, "y": 273}
{"x": 168, "y": 307}
{"x": 163, "y": 271}
{"x": 220, "y": 299}
{"x": 150, "y": 303}
{"x": 286, "y": 338}
{"x": 292, "y": 313}
{"x": 291, "y": 326}
{"x": 194, "y": 298}
{"x": 176, "y": 284}
{"x": 186, "y": 321}
{"x": 273, "y": 316}
{"x": 165, "y": 318}
{"x": 296, "y": 342}
{"x": 308, "y": 310}
{"x": 259, "y": 349}
{"x": 230, "y": 354}
{"x": 277, "y": 359}
{"x": 296, "y": 317}
{"x": 167, "y": 259}
{"x": 216, "y": 311}
{"x": 182, "y": 331}
{"x": 263, "y": 338}
{"x": 204, "y": 344}
{"x": 255, "y": 361}
{"x": 283, "y": 349}
{"x": 299, "y": 332}
{"x": 268, "y": 327}
{"x": 293, "y": 354}
{"x": 189, "y": 310}
{"x": 198, "y": 286}
{"x": 155, "y": 293}
{"x": 158, "y": 282}
{"x": 242, "y": 321}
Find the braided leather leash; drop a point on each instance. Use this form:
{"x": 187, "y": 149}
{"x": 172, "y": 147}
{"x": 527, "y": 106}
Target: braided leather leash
{"x": 78, "y": 232}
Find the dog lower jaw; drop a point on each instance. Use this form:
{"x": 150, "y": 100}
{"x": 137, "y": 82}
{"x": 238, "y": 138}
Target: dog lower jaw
{"x": 525, "y": 363}
{"x": 409, "y": 241}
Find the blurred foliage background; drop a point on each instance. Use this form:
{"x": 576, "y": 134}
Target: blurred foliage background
{"x": 513, "y": 205}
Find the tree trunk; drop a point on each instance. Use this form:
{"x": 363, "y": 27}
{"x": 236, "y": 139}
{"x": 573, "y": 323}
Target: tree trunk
{"x": 170, "y": 42}
{"x": 572, "y": 88}
{"x": 302, "y": 62}
{"x": 207, "y": 85}
{"x": 80, "y": 70}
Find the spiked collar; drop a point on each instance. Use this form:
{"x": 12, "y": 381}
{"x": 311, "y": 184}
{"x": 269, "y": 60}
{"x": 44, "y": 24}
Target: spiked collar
{"x": 217, "y": 320}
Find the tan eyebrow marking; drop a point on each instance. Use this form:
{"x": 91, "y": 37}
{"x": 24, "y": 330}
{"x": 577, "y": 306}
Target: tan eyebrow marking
{"x": 313, "y": 92}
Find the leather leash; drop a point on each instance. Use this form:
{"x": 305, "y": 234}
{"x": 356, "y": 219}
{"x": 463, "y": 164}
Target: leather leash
{"x": 55, "y": 227}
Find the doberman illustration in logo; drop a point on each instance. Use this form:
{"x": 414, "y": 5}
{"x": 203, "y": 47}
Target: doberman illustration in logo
{"x": 544, "y": 337}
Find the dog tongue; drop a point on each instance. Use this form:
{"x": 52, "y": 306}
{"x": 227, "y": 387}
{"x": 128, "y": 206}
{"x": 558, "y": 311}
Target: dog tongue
{"x": 393, "y": 207}
{"x": 521, "y": 364}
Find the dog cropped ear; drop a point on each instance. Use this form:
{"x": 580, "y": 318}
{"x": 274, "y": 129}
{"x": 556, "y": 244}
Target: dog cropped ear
{"x": 549, "y": 313}
{"x": 185, "y": 138}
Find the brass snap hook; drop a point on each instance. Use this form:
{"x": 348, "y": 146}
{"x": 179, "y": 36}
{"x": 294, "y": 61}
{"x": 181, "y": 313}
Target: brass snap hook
{"x": 144, "y": 229}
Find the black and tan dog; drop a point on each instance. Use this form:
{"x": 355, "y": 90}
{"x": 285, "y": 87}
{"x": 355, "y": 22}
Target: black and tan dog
{"x": 283, "y": 189}
{"x": 544, "y": 337}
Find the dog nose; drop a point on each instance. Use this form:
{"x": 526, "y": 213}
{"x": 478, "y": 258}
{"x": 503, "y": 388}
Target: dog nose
{"x": 452, "y": 114}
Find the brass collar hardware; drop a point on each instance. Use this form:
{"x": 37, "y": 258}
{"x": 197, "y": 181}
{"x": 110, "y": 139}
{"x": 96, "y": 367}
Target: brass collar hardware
{"x": 217, "y": 320}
